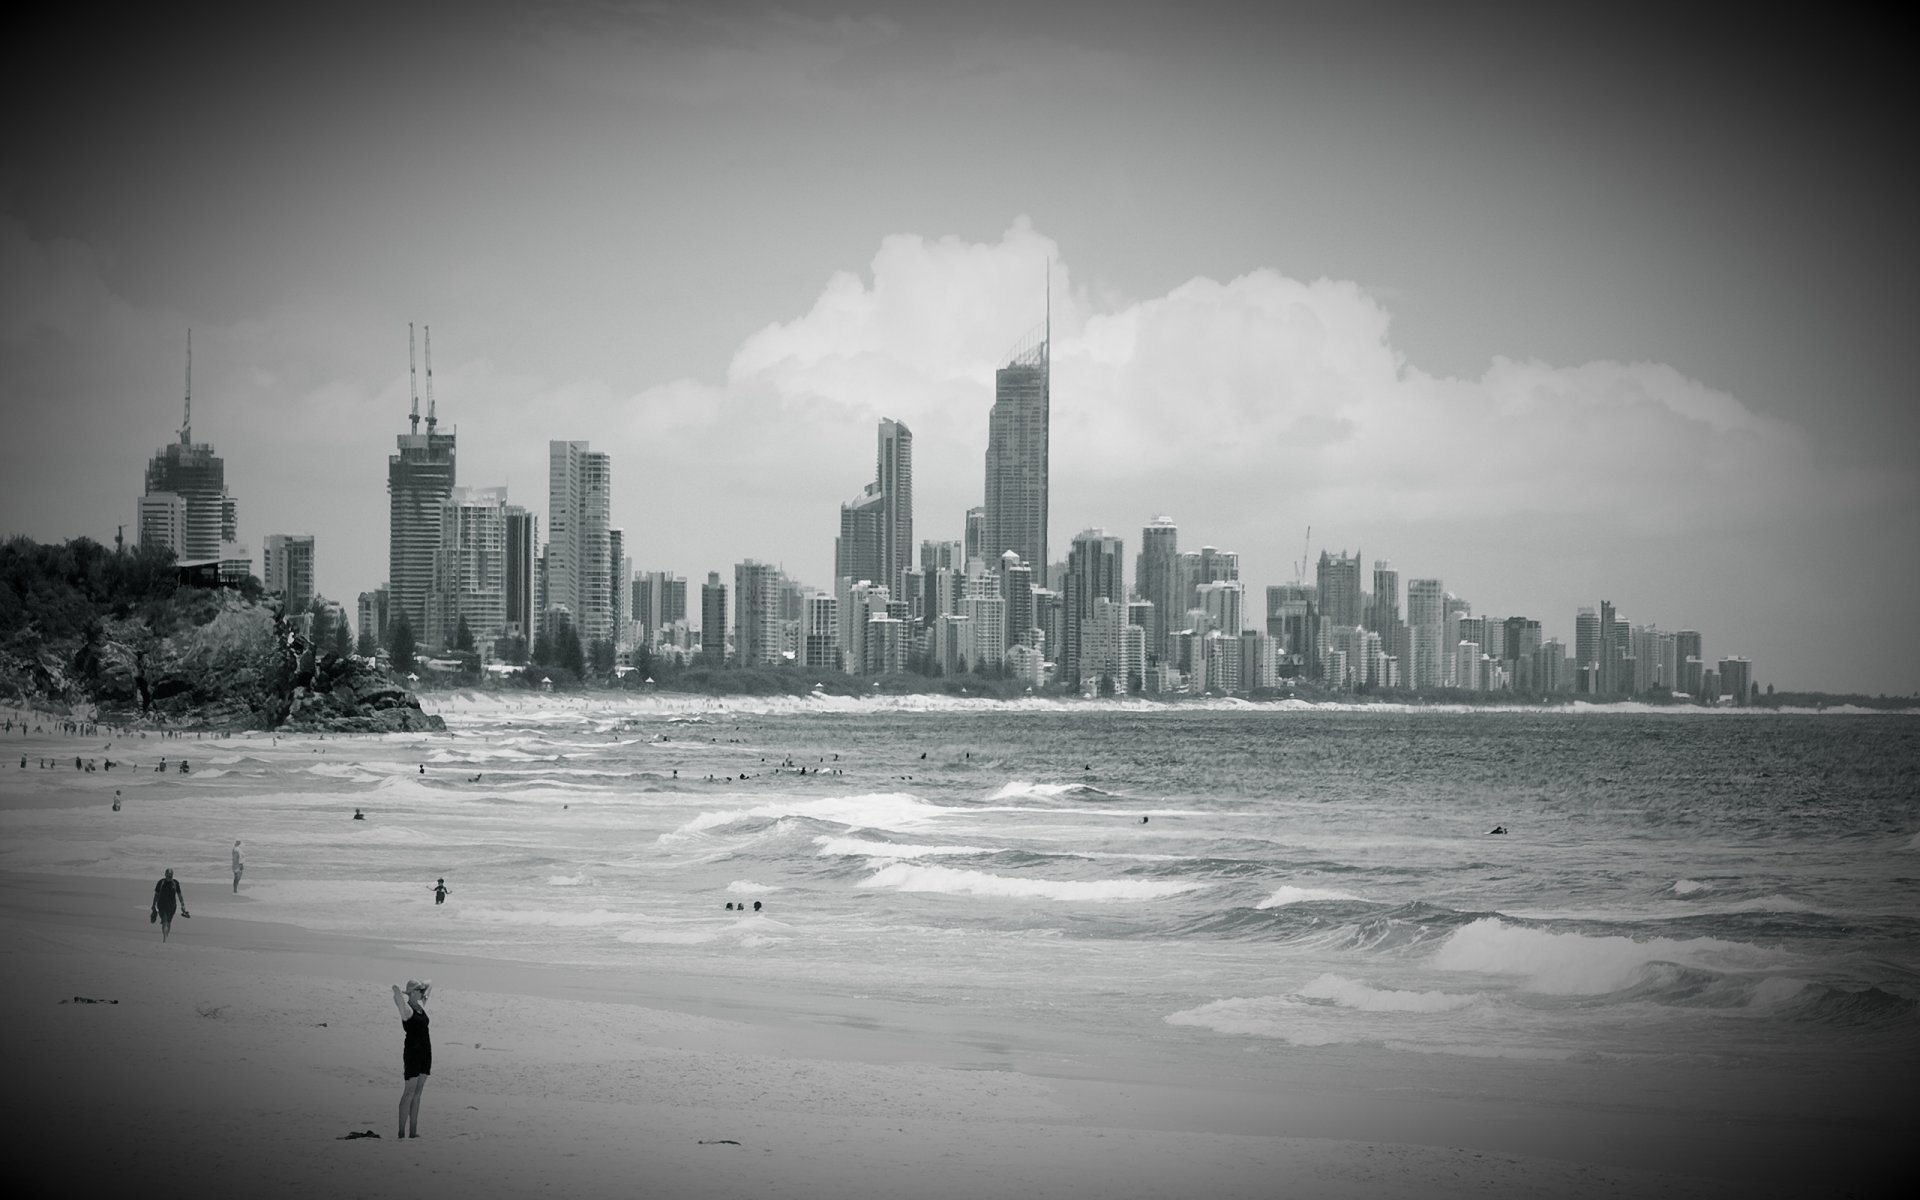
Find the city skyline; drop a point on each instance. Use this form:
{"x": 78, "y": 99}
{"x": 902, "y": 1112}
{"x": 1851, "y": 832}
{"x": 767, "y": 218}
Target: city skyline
{"x": 1571, "y": 372}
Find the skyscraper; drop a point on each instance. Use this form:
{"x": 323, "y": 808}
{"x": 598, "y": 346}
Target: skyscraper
{"x": 1017, "y": 454}
{"x": 1093, "y": 573}
{"x": 470, "y": 571}
{"x": 1383, "y": 615}
{"x": 1426, "y": 631}
{"x": 523, "y": 538}
{"x": 185, "y": 507}
{"x": 419, "y": 478}
{"x": 893, "y": 476}
{"x": 1338, "y": 577}
{"x": 713, "y": 621}
{"x": 756, "y": 607}
{"x": 1156, "y": 578}
{"x": 579, "y": 548}
{"x": 973, "y": 538}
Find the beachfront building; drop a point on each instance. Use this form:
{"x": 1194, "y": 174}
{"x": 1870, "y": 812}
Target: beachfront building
{"x": 579, "y": 543}
{"x": 287, "y": 568}
{"x": 713, "y": 621}
{"x": 1093, "y": 573}
{"x": 820, "y": 632}
{"x": 757, "y": 613}
{"x": 1426, "y": 632}
{"x": 470, "y": 570}
{"x": 522, "y": 573}
{"x": 1156, "y": 579}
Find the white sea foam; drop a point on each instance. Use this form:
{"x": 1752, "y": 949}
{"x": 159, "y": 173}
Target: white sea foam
{"x": 908, "y": 877}
{"x": 565, "y": 880}
{"x": 1022, "y": 789}
{"x": 834, "y": 846}
{"x": 1257, "y": 1016}
{"x": 1689, "y": 887}
{"x": 749, "y": 888}
{"x": 876, "y": 810}
{"x": 1288, "y": 894}
{"x": 1569, "y": 964}
{"x": 1351, "y": 993}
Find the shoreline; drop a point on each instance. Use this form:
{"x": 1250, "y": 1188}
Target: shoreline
{"x": 272, "y": 1041}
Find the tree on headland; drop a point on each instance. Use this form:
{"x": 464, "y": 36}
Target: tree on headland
{"x": 400, "y": 647}
{"x": 601, "y": 656}
{"x": 365, "y": 646}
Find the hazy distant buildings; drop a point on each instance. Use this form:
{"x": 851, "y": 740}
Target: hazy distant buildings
{"x": 1015, "y": 515}
{"x": 659, "y": 601}
{"x": 286, "y": 567}
{"x": 373, "y": 616}
{"x": 470, "y": 570}
{"x": 579, "y": 546}
{"x": 1736, "y": 680}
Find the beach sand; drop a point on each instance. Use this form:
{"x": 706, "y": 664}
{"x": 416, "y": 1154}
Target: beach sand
{"x": 240, "y": 1052}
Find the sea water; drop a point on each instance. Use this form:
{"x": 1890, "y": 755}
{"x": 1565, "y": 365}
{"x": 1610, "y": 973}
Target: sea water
{"x": 1708, "y": 886}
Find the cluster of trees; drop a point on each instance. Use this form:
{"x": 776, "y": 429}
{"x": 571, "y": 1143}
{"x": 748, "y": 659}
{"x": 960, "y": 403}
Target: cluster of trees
{"x": 59, "y": 591}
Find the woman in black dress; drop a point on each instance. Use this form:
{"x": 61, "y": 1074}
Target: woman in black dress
{"x": 417, "y": 1056}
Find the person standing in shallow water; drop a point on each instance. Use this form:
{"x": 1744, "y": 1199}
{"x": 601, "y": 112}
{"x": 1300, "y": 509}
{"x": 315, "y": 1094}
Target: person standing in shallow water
{"x": 166, "y": 896}
{"x": 416, "y": 1056}
{"x": 440, "y": 892}
{"x": 239, "y": 865}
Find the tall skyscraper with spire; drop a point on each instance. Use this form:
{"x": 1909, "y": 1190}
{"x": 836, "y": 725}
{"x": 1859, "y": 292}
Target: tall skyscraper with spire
{"x": 420, "y": 477}
{"x": 1017, "y": 451}
{"x": 185, "y": 507}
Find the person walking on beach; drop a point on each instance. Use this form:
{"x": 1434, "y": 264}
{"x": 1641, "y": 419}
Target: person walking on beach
{"x": 166, "y": 896}
{"x": 416, "y": 1057}
{"x": 239, "y": 865}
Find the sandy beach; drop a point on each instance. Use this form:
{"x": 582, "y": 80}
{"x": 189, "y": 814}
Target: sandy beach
{"x": 235, "y": 1059}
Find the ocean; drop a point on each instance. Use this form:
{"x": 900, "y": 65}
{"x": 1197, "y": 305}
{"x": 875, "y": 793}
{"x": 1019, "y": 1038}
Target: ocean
{"x": 1718, "y": 889}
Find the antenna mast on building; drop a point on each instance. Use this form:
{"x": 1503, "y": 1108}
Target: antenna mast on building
{"x": 413, "y": 379}
{"x": 432, "y": 419}
{"x": 186, "y": 422}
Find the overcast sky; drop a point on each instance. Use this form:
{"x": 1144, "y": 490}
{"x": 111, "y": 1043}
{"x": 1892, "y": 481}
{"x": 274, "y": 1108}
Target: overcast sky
{"x": 1557, "y": 310}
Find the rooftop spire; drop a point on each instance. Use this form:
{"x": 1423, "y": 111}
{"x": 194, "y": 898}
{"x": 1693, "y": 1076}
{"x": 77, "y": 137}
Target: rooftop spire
{"x": 413, "y": 379}
{"x": 186, "y": 421}
{"x": 432, "y": 419}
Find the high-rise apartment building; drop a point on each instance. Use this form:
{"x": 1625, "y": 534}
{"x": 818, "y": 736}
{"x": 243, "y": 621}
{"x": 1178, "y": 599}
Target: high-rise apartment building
{"x": 756, "y": 607}
{"x": 856, "y": 552}
{"x": 579, "y": 542}
{"x": 1017, "y": 455}
{"x": 893, "y": 475}
{"x": 659, "y": 600}
{"x": 1383, "y": 614}
{"x": 1338, "y": 579}
{"x": 470, "y": 570}
{"x": 522, "y": 566}
{"x": 1736, "y": 680}
{"x": 713, "y": 620}
{"x": 1426, "y": 633}
{"x": 1094, "y": 570}
{"x": 286, "y": 567}
{"x": 619, "y": 586}
{"x": 373, "y": 615}
{"x": 1156, "y": 578}
{"x": 420, "y": 475}
{"x": 974, "y": 538}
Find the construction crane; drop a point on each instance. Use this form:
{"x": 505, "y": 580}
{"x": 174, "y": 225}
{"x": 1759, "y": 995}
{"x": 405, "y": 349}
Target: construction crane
{"x": 413, "y": 380}
{"x": 186, "y": 421}
{"x": 1305, "y": 544}
{"x": 432, "y": 418}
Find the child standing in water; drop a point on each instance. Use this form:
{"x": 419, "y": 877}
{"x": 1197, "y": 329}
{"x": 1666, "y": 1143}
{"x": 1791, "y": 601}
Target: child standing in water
{"x": 440, "y": 893}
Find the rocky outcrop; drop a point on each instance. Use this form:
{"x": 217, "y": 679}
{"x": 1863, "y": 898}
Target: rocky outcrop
{"x": 213, "y": 659}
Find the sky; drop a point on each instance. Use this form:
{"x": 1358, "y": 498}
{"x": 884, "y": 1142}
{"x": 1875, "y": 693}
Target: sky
{"x": 1556, "y": 308}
